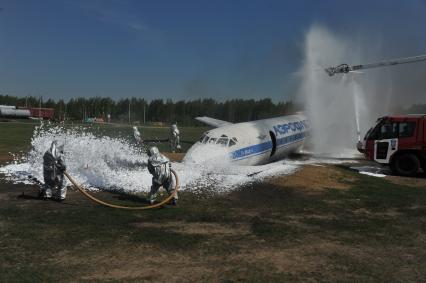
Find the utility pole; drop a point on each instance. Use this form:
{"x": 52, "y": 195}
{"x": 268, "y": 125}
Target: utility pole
{"x": 60, "y": 111}
{"x": 129, "y": 111}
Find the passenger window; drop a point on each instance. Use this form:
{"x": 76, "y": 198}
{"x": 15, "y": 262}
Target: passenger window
{"x": 206, "y": 139}
{"x": 202, "y": 138}
{"x": 212, "y": 140}
{"x": 389, "y": 131}
{"x": 406, "y": 129}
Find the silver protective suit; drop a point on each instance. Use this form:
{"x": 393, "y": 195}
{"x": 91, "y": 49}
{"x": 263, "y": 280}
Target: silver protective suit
{"x": 53, "y": 173}
{"x": 159, "y": 167}
{"x": 137, "y": 134}
{"x": 174, "y": 138}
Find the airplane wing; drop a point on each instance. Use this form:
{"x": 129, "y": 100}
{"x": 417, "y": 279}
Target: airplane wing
{"x": 212, "y": 122}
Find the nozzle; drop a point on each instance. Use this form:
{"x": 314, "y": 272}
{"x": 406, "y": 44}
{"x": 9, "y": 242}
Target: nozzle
{"x": 343, "y": 68}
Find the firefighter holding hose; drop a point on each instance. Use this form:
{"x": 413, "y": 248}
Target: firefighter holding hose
{"x": 159, "y": 167}
{"x": 53, "y": 173}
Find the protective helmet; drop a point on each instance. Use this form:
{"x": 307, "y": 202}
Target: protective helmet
{"x": 153, "y": 151}
{"x": 61, "y": 148}
{"x": 53, "y": 148}
{"x": 135, "y": 128}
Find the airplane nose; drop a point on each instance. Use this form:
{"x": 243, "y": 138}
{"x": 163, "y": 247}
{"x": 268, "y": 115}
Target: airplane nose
{"x": 206, "y": 153}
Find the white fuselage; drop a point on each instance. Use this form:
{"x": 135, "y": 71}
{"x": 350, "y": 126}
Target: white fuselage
{"x": 254, "y": 143}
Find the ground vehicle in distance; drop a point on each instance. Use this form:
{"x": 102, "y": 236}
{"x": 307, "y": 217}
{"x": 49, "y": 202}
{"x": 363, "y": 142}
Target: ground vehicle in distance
{"x": 25, "y": 112}
{"x": 398, "y": 141}
{"x": 42, "y": 113}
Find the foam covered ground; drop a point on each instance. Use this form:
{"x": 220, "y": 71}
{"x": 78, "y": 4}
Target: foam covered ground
{"x": 116, "y": 164}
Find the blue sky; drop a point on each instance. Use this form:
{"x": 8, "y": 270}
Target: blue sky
{"x": 183, "y": 49}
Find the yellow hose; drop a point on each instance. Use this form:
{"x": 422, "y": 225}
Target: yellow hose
{"x": 84, "y": 192}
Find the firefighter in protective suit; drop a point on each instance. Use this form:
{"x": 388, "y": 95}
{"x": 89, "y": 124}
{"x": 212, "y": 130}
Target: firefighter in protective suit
{"x": 159, "y": 167}
{"x": 53, "y": 173}
{"x": 174, "y": 138}
{"x": 137, "y": 135}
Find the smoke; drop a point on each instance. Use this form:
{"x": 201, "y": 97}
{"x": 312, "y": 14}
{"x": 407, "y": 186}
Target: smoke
{"x": 343, "y": 107}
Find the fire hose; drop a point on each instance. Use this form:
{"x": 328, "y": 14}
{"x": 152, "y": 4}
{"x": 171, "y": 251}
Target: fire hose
{"x": 94, "y": 199}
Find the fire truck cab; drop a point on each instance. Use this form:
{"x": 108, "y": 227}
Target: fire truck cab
{"x": 397, "y": 141}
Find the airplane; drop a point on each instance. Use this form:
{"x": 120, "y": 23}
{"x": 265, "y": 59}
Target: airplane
{"x": 251, "y": 143}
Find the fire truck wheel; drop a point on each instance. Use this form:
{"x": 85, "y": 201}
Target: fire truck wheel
{"x": 406, "y": 164}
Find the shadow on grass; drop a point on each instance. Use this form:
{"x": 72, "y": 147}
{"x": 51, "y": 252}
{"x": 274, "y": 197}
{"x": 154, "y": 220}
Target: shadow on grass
{"x": 129, "y": 197}
{"x": 373, "y": 215}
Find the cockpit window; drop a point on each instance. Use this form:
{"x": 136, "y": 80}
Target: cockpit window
{"x": 206, "y": 139}
{"x": 233, "y": 141}
{"x": 223, "y": 141}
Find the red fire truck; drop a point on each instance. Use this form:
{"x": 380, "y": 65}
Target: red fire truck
{"x": 398, "y": 141}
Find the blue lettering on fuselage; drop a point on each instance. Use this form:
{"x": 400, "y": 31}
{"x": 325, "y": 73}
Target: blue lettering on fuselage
{"x": 292, "y": 127}
{"x": 265, "y": 146}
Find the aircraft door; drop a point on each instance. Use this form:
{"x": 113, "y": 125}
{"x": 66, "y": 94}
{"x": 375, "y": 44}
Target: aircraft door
{"x": 274, "y": 143}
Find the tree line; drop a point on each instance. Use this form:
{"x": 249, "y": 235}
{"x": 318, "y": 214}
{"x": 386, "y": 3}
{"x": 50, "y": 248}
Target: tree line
{"x": 157, "y": 110}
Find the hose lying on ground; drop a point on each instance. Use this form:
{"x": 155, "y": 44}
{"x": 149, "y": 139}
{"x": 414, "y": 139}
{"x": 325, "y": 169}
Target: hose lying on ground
{"x": 91, "y": 197}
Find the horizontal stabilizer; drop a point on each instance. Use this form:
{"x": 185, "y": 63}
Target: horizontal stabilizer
{"x": 212, "y": 122}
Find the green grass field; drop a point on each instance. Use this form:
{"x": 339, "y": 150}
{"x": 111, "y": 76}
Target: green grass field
{"x": 15, "y": 136}
{"x": 372, "y": 230}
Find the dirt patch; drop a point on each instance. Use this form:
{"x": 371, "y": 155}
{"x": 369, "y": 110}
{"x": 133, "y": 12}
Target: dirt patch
{"x": 4, "y": 196}
{"x": 310, "y": 258}
{"x": 315, "y": 177}
{"x": 293, "y": 260}
{"x": 419, "y": 182}
{"x": 200, "y": 228}
{"x": 144, "y": 263}
{"x": 3, "y": 226}
{"x": 175, "y": 157}
{"x": 5, "y": 157}
{"x": 389, "y": 213}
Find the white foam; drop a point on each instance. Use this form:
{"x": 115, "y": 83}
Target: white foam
{"x": 374, "y": 171}
{"x": 114, "y": 164}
